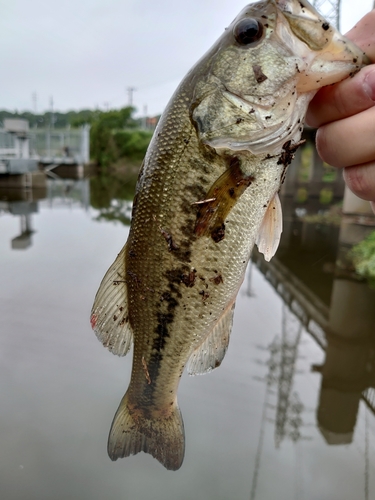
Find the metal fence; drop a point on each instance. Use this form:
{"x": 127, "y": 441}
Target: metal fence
{"x": 48, "y": 144}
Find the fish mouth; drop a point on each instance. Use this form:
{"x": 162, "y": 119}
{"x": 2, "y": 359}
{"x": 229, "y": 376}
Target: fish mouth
{"x": 325, "y": 55}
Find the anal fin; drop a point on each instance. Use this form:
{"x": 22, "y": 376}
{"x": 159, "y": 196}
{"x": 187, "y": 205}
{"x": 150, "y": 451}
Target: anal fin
{"x": 271, "y": 228}
{"x": 109, "y": 314}
{"x": 211, "y": 352}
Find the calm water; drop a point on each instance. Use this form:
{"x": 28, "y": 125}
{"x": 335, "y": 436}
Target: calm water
{"x": 282, "y": 418}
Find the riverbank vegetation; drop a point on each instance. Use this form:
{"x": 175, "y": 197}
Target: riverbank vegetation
{"x": 116, "y": 135}
{"x": 363, "y": 258}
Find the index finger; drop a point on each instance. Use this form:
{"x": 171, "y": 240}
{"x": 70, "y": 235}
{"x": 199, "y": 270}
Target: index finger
{"x": 353, "y": 95}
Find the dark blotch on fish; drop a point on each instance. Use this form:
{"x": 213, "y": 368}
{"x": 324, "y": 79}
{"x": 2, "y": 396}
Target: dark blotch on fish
{"x": 168, "y": 238}
{"x": 287, "y": 154}
{"x": 218, "y": 233}
{"x": 204, "y": 294}
{"x": 124, "y": 320}
{"x": 189, "y": 279}
{"x": 217, "y": 279}
{"x": 259, "y": 75}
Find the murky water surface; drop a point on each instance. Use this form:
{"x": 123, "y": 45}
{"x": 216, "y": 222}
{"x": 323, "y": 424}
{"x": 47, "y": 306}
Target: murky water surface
{"x": 290, "y": 414}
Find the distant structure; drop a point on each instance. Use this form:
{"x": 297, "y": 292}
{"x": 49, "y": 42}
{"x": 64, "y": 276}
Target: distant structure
{"x": 22, "y": 149}
{"x": 330, "y": 9}
{"x": 151, "y": 122}
{"x": 15, "y": 148}
{"x": 69, "y": 146}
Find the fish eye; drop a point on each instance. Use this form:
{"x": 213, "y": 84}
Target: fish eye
{"x": 248, "y": 31}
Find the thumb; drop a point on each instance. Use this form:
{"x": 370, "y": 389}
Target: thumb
{"x": 345, "y": 99}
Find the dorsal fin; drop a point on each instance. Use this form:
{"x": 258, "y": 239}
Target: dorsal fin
{"x": 271, "y": 228}
{"x": 109, "y": 314}
{"x": 211, "y": 352}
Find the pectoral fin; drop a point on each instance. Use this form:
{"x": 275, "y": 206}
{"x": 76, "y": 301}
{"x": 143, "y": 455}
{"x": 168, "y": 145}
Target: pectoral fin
{"x": 271, "y": 228}
{"x": 211, "y": 352}
{"x": 109, "y": 314}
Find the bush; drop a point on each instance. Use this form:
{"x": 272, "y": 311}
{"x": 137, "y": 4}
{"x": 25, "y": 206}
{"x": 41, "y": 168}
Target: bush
{"x": 363, "y": 256}
{"x": 132, "y": 144}
{"x": 114, "y": 135}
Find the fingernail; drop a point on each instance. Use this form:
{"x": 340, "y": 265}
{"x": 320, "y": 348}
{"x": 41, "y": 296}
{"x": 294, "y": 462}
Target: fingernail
{"x": 369, "y": 84}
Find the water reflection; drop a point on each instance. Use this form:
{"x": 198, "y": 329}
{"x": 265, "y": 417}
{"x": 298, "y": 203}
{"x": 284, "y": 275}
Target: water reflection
{"x": 327, "y": 300}
{"x": 260, "y": 430}
{"x": 23, "y": 210}
{"x": 111, "y": 194}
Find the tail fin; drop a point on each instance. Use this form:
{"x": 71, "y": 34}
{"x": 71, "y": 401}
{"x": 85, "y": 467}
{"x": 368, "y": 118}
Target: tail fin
{"x": 163, "y": 438}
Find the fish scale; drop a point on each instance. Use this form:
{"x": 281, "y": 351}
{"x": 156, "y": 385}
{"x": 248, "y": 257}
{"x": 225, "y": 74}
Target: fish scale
{"x": 206, "y": 193}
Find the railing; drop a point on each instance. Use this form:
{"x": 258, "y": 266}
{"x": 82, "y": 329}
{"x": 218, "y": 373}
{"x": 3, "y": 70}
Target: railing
{"x": 47, "y": 145}
{"x": 69, "y": 143}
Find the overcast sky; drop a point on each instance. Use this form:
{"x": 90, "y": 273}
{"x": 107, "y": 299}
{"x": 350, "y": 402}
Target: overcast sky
{"x": 86, "y": 53}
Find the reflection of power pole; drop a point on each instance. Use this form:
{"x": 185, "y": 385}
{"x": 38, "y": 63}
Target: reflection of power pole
{"x": 281, "y": 368}
{"x": 330, "y": 9}
{"x": 130, "y": 90}
{"x": 287, "y": 414}
{"x": 273, "y": 365}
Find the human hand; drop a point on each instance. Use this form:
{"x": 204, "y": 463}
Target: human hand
{"x": 345, "y": 115}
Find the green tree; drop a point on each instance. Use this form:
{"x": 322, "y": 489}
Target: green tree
{"x": 115, "y": 135}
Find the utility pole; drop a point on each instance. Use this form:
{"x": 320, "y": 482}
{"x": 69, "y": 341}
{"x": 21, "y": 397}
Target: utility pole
{"x": 52, "y": 120}
{"x": 34, "y": 98}
{"x": 330, "y": 9}
{"x": 145, "y": 116}
{"x": 130, "y": 90}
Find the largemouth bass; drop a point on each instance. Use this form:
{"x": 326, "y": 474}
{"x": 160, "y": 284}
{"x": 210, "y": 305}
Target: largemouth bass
{"x": 206, "y": 193}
